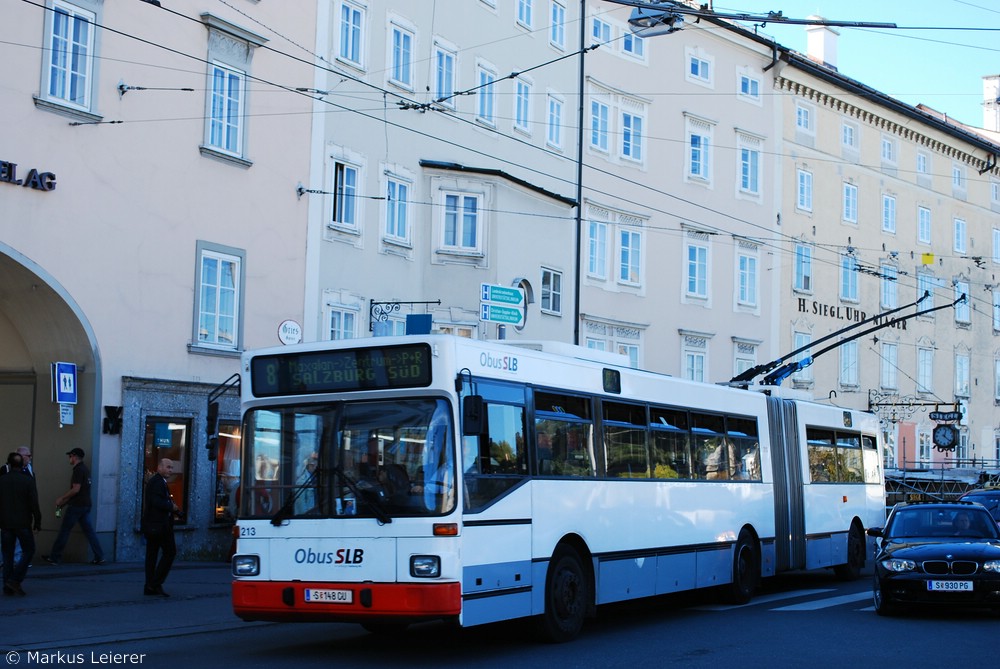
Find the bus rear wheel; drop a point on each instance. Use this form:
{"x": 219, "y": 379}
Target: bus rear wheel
{"x": 746, "y": 570}
{"x": 567, "y": 597}
{"x": 851, "y": 570}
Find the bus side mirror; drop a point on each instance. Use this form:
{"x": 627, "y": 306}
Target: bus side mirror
{"x": 212, "y": 431}
{"x": 473, "y": 416}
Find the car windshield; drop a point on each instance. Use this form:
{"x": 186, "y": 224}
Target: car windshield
{"x": 969, "y": 522}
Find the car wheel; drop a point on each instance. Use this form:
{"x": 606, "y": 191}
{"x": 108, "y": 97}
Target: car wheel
{"x": 883, "y": 606}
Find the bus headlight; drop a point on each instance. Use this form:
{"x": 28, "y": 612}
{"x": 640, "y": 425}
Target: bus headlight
{"x": 246, "y": 565}
{"x": 425, "y": 566}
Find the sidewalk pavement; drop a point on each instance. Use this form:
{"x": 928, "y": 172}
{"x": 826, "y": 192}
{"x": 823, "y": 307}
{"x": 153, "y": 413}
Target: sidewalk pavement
{"x": 83, "y": 603}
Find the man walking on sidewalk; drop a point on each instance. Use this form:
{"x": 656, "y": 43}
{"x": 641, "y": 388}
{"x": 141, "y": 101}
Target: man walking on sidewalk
{"x": 19, "y": 515}
{"x": 158, "y": 511}
{"x": 77, "y": 505}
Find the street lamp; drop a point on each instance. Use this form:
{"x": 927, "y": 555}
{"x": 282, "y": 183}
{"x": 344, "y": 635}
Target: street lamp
{"x": 647, "y": 22}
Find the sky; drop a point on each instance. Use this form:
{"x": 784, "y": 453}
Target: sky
{"x": 940, "y": 68}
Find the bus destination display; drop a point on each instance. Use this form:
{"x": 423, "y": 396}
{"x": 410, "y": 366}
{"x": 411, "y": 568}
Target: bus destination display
{"x": 341, "y": 370}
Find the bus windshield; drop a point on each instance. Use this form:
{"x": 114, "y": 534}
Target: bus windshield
{"x": 380, "y": 459}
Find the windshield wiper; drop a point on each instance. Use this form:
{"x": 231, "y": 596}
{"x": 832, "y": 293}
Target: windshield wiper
{"x": 368, "y": 494}
{"x": 286, "y": 508}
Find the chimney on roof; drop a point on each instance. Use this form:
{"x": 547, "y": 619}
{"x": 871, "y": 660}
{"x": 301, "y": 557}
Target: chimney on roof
{"x": 991, "y": 102}
{"x": 821, "y": 43}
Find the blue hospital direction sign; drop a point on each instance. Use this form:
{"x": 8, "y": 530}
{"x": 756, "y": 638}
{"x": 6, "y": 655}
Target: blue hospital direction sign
{"x": 64, "y": 382}
{"x": 501, "y": 294}
{"x": 500, "y": 314}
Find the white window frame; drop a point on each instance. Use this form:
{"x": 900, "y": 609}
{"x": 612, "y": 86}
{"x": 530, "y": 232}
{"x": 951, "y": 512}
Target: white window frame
{"x": 804, "y": 191}
{"x": 805, "y": 118}
{"x": 633, "y": 45}
{"x": 486, "y": 101}
{"x": 61, "y": 78}
{"x": 996, "y": 245}
{"x": 402, "y": 47}
{"x": 341, "y": 322}
{"x": 557, "y": 26}
{"x": 696, "y": 272}
{"x": 959, "y": 238}
{"x": 458, "y": 218}
{"x": 748, "y": 87}
{"x": 632, "y": 132}
{"x": 925, "y": 370}
{"x": 849, "y": 364}
{"x": 699, "y": 67}
{"x": 750, "y": 168}
{"x": 926, "y": 283}
{"x": 600, "y": 31}
{"x": 802, "y": 280}
{"x": 996, "y": 388}
{"x": 522, "y": 105}
{"x": 600, "y": 125}
{"x": 346, "y": 199}
{"x": 890, "y": 286}
{"x": 353, "y": 17}
{"x": 958, "y": 180}
{"x": 963, "y": 310}
{"x": 597, "y": 249}
{"x": 551, "y": 302}
{"x": 217, "y": 302}
{"x": 554, "y": 114}
{"x": 924, "y": 225}
{"x": 699, "y": 158}
{"x": 850, "y": 203}
{"x": 848, "y": 278}
{"x": 799, "y": 340}
{"x": 995, "y": 193}
{"x": 445, "y": 69}
{"x": 747, "y": 279}
{"x": 397, "y": 209}
{"x": 525, "y": 13}
{"x": 889, "y": 213}
{"x": 849, "y": 135}
{"x": 888, "y": 150}
{"x": 889, "y": 377}
{"x": 225, "y": 127}
{"x": 962, "y": 374}
{"x": 629, "y": 256}
{"x": 996, "y": 311}
{"x": 923, "y": 163}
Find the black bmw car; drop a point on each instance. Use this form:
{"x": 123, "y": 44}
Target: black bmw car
{"x": 937, "y": 553}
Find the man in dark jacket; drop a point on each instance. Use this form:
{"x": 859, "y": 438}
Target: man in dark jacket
{"x": 158, "y": 511}
{"x": 19, "y": 515}
{"x": 77, "y": 505}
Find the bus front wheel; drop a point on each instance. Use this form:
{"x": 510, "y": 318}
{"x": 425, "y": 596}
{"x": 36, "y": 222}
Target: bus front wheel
{"x": 567, "y": 596}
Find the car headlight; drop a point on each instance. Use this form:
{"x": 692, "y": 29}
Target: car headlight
{"x": 898, "y": 565}
{"x": 425, "y": 566}
{"x": 992, "y": 565}
{"x": 246, "y": 565}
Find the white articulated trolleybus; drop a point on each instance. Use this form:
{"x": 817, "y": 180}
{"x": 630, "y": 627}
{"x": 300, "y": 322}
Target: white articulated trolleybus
{"x": 399, "y": 479}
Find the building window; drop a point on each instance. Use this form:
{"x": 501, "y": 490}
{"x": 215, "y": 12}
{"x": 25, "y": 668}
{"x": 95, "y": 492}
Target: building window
{"x": 557, "y": 29}
{"x": 601, "y": 31}
{"x": 747, "y": 282}
{"x": 396, "y": 209}
{"x": 996, "y": 391}
{"x": 923, "y": 448}
{"x": 699, "y": 69}
{"x": 804, "y": 200}
{"x": 925, "y": 286}
{"x": 170, "y": 438}
{"x": 219, "y": 306}
{"x": 802, "y": 340}
{"x": 850, "y": 203}
{"x": 962, "y": 375}
{"x": 69, "y": 70}
{"x": 996, "y": 311}
{"x": 890, "y": 355}
{"x": 551, "y": 291}
{"x": 633, "y": 45}
{"x": 889, "y": 214}
{"x": 597, "y": 249}
{"x": 849, "y": 364}
{"x": 750, "y": 169}
{"x": 960, "y": 246}
{"x": 461, "y": 222}
{"x": 890, "y": 286}
{"x": 749, "y": 87}
{"x": 848, "y": 278}
{"x": 225, "y": 124}
{"x": 963, "y": 312}
{"x": 695, "y": 356}
{"x": 599, "y": 114}
{"x": 522, "y": 109}
{"x": 352, "y": 26}
{"x": 804, "y": 119}
{"x": 958, "y": 178}
{"x": 342, "y": 323}
{"x": 995, "y": 192}
{"x": 923, "y": 225}
{"x": 923, "y": 163}
{"x": 554, "y": 135}
{"x": 888, "y": 150}
{"x": 525, "y": 9}
{"x": 697, "y": 271}
{"x": 699, "y": 145}
{"x": 345, "y": 192}
{"x": 803, "y": 268}
{"x": 925, "y": 370}
{"x": 401, "y": 63}
{"x": 444, "y": 76}
{"x": 227, "y": 473}
{"x": 486, "y": 97}
{"x": 996, "y": 245}
{"x": 849, "y": 135}
{"x": 631, "y": 136}
{"x": 630, "y": 257}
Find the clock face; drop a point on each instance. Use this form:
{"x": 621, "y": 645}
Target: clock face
{"x": 944, "y": 435}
